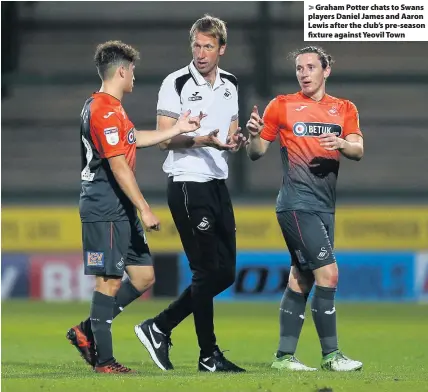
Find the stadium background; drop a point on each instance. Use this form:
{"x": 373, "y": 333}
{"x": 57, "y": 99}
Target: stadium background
{"x": 47, "y": 72}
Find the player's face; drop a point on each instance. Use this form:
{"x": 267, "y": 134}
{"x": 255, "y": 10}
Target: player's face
{"x": 128, "y": 78}
{"x": 206, "y": 52}
{"x": 310, "y": 73}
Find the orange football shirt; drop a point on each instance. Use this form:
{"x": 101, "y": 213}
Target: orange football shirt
{"x": 105, "y": 132}
{"x": 310, "y": 171}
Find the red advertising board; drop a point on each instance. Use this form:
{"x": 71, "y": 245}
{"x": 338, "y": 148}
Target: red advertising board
{"x": 60, "y": 277}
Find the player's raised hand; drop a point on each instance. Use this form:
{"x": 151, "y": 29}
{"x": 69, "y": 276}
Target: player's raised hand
{"x": 150, "y": 221}
{"x": 189, "y": 124}
{"x": 330, "y": 141}
{"x": 255, "y": 123}
{"x": 237, "y": 139}
{"x": 211, "y": 140}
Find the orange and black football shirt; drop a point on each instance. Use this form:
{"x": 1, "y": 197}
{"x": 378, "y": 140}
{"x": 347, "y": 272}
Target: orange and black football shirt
{"x": 309, "y": 171}
{"x": 105, "y": 132}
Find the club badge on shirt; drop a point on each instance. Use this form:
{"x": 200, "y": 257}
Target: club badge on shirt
{"x": 112, "y": 135}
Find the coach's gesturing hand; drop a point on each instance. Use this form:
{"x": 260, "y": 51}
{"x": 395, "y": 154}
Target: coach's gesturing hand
{"x": 211, "y": 140}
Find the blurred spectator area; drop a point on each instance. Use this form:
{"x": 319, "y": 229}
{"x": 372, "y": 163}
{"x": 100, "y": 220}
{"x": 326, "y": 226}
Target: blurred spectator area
{"x": 50, "y": 73}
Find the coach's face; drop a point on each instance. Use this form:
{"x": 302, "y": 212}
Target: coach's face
{"x": 310, "y": 73}
{"x": 206, "y": 52}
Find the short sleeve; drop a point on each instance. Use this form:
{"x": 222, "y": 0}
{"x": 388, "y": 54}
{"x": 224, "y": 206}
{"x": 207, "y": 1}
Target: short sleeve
{"x": 352, "y": 122}
{"x": 106, "y": 133}
{"x": 169, "y": 104}
{"x": 271, "y": 123}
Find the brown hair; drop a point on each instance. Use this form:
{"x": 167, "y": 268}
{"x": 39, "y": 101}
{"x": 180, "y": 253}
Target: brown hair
{"x": 211, "y": 26}
{"x": 113, "y": 54}
{"x": 323, "y": 56}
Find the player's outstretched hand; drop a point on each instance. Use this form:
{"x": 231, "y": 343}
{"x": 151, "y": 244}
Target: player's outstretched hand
{"x": 189, "y": 124}
{"x": 255, "y": 123}
{"x": 150, "y": 221}
{"x": 211, "y": 140}
{"x": 238, "y": 140}
{"x": 330, "y": 141}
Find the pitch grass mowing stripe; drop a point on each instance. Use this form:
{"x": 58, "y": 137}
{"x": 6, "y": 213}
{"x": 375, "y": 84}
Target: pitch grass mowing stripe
{"x": 391, "y": 340}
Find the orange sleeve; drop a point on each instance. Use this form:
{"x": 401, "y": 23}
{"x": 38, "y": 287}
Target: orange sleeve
{"x": 271, "y": 121}
{"x": 107, "y": 134}
{"x": 352, "y": 122}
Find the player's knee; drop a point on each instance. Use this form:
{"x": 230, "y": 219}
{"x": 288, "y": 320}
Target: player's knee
{"x": 327, "y": 276}
{"x": 299, "y": 281}
{"x": 144, "y": 281}
{"x": 298, "y": 288}
{"x": 107, "y": 286}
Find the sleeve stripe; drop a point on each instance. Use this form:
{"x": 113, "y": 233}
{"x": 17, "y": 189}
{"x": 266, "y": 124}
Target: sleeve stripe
{"x": 167, "y": 113}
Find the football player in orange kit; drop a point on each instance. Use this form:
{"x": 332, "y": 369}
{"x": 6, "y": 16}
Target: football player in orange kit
{"x": 315, "y": 130}
{"x": 113, "y": 237}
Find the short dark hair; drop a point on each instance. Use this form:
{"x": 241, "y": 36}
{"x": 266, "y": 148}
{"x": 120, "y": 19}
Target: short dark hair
{"x": 212, "y": 26}
{"x": 113, "y": 54}
{"x": 323, "y": 56}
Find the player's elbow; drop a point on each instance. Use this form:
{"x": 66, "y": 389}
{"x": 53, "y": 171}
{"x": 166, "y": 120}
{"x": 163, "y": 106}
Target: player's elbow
{"x": 359, "y": 155}
{"x": 254, "y": 157}
{"x": 252, "y": 154}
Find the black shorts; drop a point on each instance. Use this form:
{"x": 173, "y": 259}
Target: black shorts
{"x": 109, "y": 247}
{"x": 309, "y": 236}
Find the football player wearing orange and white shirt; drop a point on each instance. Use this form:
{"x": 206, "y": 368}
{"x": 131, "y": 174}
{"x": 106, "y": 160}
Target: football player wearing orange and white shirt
{"x": 314, "y": 131}
{"x": 112, "y": 234}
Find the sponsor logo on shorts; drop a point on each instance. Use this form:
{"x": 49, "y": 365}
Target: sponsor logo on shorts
{"x": 120, "y": 264}
{"x": 95, "y": 259}
{"x": 313, "y": 129}
{"x": 323, "y": 254}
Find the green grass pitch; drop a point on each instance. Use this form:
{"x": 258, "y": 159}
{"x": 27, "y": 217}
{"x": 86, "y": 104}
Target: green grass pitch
{"x": 391, "y": 340}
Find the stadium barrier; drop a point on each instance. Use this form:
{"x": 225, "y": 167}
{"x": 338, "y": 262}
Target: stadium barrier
{"x": 59, "y": 277}
{"x": 364, "y": 276}
{"x": 57, "y": 229}
{"x": 380, "y": 251}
